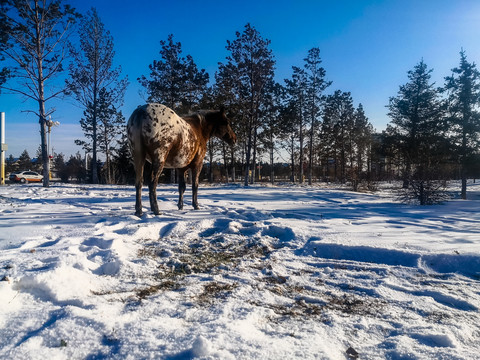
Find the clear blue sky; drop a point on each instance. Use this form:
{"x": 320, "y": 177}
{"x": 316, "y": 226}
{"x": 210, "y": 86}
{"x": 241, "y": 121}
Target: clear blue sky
{"x": 367, "y": 47}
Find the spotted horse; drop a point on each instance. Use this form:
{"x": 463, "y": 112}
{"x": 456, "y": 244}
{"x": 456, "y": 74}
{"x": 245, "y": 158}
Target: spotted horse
{"x": 158, "y": 135}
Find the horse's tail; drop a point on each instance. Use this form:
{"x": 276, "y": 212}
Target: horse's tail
{"x": 134, "y": 128}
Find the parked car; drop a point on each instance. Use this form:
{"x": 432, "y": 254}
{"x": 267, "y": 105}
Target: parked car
{"x": 26, "y": 176}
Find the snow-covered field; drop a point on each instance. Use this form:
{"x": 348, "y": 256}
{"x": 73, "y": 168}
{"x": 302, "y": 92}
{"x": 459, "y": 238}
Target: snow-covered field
{"x": 258, "y": 273}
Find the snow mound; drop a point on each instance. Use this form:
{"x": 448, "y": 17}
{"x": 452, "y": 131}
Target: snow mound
{"x": 201, "y": 347}
{"x": 62, "y": 286}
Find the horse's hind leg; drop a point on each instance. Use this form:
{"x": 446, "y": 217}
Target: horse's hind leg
{"x": 157, "y": 167}
{"x": 181, "y": 188}
{"x": 139, "y": 163}
{"x": 195, "y": 175}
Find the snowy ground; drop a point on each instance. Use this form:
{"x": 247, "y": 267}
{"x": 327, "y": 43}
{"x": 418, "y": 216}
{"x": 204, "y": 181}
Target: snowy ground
{"x": 258, "y": 273}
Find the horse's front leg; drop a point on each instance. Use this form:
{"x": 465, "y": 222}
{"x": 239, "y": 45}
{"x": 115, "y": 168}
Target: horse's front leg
{"x": 181, "y": 188}
{"x": 157, "y": 167}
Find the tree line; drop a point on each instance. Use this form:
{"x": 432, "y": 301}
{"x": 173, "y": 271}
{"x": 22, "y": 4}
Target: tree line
{"x": 433, "y": 135}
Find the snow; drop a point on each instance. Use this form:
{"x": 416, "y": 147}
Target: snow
{"x": 259, "y": 272}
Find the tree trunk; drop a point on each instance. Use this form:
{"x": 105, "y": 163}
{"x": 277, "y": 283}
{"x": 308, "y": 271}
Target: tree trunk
{"x": 233, "y": 165}
{"x": 254, "y": 160}
{"x": 94, "y": 123}
{"x": 335, "y": 167}
{"x": 464, "y": 164}
{"x": 41, "y": 105}
{"x": 45, "y": 159}
{"x": 210, "y": 160}
{"x": 292, "y": 177}
{"x": 406, "y": 175}
{"x": 247, "y": 157}
{"x": 225, "y": 161}
{"x": 301, "y": 152}
{"x": 310, "y": 155}
{"x": 272, "y": 172}
{"x": 107, "y": 165}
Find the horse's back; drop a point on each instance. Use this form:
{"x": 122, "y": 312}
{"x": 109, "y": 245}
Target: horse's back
{"x": 152, "y": 122}
{"x": 155, "y": 128}
{"x": 150, "y": 116}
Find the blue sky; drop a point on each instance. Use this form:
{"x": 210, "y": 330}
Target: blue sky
{"x": 367, "y": 47}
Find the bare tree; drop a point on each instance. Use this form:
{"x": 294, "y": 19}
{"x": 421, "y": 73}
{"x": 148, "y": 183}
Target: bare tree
{"x": 38, "y": 32}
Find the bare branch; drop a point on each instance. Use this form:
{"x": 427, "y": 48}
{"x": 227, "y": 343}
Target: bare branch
{"x": 28, "y": 95}
{"x": 31, "y": 111}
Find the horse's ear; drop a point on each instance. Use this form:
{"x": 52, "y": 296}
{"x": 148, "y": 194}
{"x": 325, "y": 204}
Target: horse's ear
{"x": 222, "y": 110}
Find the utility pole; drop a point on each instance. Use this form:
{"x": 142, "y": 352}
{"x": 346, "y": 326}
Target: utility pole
{"x": 4, "y": 148}
{"x": 50, "y": 124}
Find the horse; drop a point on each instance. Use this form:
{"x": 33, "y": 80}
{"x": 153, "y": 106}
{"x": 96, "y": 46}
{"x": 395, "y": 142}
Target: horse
{"x": 158, "y": 135}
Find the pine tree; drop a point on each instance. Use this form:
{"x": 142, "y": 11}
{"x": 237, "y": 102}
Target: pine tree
{"x": 175, "y": 81}
{"x": 38, "y": 161}
{"x": 316, "y": 85}
{"x": 327, "y": 145}
{"x": 60, "y": 166}
{"x": 75, "y": 168}
{"x": 10, "y": 165}
{"x": 122, "y": 162}
{"x": 92, "y": 73}
{"x": 226, "y": 94}
{"x": 24, "y": 161}
{"x": 463, "y": 98}
{"x": 363, "y": 132}
{"x": 272, "y": 123}
{"x": 38, "y": 32}
{"x": 252, "y": 61}
{"x": 110, "y": 127}
{"x": 339, "y": 121}
{"x": 417, "y": 114}
{"x": 296, "y": 99}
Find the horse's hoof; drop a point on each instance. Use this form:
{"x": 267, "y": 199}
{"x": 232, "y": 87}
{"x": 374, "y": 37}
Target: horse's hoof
{"x": 139, "y": 214}
{"x": 157, "y": 212}
{"x": 180, "y": 207}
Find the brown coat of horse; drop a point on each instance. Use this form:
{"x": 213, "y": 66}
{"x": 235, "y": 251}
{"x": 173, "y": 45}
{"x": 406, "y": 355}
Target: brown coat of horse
{"x": 157, "y": 134}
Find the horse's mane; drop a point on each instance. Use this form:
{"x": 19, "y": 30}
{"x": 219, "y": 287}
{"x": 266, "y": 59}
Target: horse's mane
{"x": 201, "y": 115}
{"x": 204, "y": 113}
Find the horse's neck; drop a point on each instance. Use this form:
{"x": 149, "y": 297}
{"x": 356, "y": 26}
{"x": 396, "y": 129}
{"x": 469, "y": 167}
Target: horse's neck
{"x": 207, "y": 127}
{"x": 204, "y": 126}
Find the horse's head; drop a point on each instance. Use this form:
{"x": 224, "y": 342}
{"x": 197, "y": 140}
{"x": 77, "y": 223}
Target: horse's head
{"x": 223, "y": 129}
